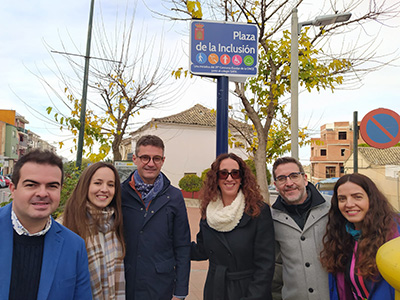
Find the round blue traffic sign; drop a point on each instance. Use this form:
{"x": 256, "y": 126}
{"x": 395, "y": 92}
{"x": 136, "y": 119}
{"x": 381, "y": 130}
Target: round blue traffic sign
{"x": 380, "y": 128}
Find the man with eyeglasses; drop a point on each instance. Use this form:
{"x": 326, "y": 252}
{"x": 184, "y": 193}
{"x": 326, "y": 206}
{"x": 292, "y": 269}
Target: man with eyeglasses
{"x": 156, "y": 228}
{"x": 300, "y": 214}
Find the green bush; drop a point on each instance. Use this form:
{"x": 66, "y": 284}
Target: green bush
{"x": 5, "y": 202}
{"x": 71, "y": 177}
{"x": 250, "y": 163}
{"x": 190, "y": 183}
{"x": 204, "y": 174}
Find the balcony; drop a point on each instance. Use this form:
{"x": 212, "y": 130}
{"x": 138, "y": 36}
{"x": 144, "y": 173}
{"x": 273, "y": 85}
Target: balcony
{"x": 22, "y": 130}
{"x": 23, "y": 144}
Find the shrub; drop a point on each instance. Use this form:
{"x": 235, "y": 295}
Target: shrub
{"x": 71, "y": 177}
{"x": 204, "y": 174}
{"x": 190, "y": 183}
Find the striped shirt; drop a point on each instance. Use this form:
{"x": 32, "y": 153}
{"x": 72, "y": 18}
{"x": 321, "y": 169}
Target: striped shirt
{"x": 361, "y": 287}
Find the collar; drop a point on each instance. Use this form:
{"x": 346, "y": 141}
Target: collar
{"x": 21, "y": 230}
{"x": 350, "y": 228}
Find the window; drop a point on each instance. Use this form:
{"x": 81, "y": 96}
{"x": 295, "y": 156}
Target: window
{"x": 330, "y": 172}
{"x": 341, "y": 169}
{"x": 342, "y": 135}
{"x": 323, "y": 152}
{"x": 342, "y": 151}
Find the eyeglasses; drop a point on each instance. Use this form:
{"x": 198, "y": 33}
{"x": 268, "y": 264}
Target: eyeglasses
{"x": 146, "y": 159}
{"x": 295, "y": 176}
{"x": 224, "y": 174}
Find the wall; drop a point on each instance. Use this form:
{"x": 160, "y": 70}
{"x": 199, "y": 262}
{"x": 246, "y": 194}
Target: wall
{"x": 12, "y": 141}
{"x": 388, "y": 185}
{"x": 7, "y": 116}
{"x": 2, "y": 138}
{"x": 188, "y": 149}
{"x": 337, "y": 150}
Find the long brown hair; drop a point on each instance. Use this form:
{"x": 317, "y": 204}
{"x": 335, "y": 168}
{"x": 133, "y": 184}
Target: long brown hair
{"x": 378, "y": 226}
{"x": 251, "y": 190}
{"x": 75, "y": 214}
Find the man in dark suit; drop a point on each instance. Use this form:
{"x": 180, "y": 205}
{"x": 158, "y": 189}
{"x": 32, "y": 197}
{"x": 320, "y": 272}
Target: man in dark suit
{"x": 39, "y": 258}
{"x": 157, "y": 236}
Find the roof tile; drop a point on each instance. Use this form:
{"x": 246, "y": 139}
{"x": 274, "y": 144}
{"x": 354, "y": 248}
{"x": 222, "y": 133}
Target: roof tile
{"x": 389, "y": 156}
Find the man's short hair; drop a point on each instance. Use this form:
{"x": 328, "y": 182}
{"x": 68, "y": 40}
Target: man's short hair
{"x": 38, "y": 156}
{"x": 286, "y": 160}
{"x": 149, "y": 140}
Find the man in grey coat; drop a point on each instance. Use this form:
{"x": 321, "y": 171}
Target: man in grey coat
{"x": 300, "y": 214}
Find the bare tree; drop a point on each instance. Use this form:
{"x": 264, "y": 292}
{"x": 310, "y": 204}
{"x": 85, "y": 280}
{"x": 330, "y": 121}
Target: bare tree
{"x": 321, "y": 64}
{"x": 129, "y": 73}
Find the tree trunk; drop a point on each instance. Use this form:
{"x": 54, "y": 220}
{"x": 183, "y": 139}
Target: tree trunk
{"x": 260, "y": 161}
{"x": 115, "y": 149}
{"x": 260, "y": 155}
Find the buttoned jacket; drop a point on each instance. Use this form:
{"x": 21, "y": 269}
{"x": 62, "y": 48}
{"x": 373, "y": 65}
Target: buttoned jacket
{"x": 302, "y": 273}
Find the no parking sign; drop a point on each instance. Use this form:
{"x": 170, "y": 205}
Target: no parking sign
{"x": 380, "y": 128}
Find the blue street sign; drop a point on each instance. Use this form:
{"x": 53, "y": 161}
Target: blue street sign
{"x": 380, "y": 128}
{"x": 223, "y": 49}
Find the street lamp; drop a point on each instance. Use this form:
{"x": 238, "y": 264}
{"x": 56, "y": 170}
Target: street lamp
{"x": 294, "y": 68}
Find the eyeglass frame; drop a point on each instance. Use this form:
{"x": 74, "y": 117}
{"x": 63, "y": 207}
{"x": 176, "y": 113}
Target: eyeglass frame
{"x": 151, "y": 158}
{"x": 240, "y": 172}
{"x": 288, "y": 176}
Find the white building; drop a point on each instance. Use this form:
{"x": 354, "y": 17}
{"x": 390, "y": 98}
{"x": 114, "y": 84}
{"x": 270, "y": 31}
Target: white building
{"x": 190, "y": 141}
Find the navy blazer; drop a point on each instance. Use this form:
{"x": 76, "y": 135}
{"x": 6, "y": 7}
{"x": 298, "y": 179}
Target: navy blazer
{"x": 65, "y": 272}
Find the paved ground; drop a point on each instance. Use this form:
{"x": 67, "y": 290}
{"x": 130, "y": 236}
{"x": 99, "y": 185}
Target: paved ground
{"x": 198, "y": 271}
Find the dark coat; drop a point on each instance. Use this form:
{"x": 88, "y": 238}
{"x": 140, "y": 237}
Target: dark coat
{"x": 241, "y": 261}
{"x": 157, "y": 261}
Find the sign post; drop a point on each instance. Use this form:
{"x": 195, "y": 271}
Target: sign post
{"x": 223, "y": 50}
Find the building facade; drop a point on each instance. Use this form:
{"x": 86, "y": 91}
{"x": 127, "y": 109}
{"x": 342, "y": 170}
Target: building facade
{"x": 16, "y": 140}
{"x": 331, "y": 150}
{"x": 383, "y": 167}
{"x": 190, "y": 141}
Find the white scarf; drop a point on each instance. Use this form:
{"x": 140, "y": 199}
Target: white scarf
{"x": 225, "y": 218}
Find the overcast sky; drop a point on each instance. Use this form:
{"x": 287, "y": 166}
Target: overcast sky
{"x": 27, "y": 26}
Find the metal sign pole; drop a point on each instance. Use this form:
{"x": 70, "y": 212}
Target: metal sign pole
{"x": 355, "y": 142}
{"x": 222, "y": 114}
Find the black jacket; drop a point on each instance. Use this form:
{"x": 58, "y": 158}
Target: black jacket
{"x": 241, "y": 261}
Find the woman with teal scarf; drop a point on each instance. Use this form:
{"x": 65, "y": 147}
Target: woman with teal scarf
{"x": 361, "y": 219}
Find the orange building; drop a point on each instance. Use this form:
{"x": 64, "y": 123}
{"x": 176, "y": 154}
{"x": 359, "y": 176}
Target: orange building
{"x": 331, "y": 150}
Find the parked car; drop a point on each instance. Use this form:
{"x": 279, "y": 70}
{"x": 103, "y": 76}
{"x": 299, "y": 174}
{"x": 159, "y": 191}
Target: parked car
{"x": 325, "y": 186}
{"x": 2, "y": 182}
{"x": 6, "y": 180}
